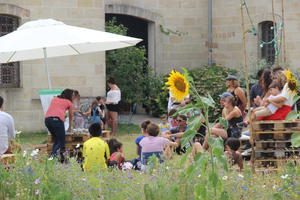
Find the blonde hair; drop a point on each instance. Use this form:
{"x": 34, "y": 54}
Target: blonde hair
{"x": 234, "y": 83}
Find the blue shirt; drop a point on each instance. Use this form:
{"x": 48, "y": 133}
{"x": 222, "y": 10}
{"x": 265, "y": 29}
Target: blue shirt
{"x": 255, "y": 91}
{"x": 137, "y": 141}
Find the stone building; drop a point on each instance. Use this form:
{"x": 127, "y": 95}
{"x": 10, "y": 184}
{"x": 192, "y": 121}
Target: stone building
{"x": 176, "y": 36}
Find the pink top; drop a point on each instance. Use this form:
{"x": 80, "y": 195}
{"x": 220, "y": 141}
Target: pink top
{"x": 153, "y": 144}
{"x": 58, "y": 107}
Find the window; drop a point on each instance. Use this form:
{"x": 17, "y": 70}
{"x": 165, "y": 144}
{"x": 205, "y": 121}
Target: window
{"x": 9, "y": 72}
{"x": 267, "y": 35}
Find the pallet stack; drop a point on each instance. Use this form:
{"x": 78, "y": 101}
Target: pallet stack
{"x": 73, "y": 141}
{"x": 273, "y": 142}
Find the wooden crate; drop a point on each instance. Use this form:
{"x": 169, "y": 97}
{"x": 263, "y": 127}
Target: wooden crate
{"x": 273, "y": 135}
{"x": 72, "y": 138}
{"x": 106, "y": 134}
{"x": 7, "y": 159}
{"x": 276, "y": 125}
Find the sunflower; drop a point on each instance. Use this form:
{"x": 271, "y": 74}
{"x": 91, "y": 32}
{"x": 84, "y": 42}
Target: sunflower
{"x": 293, "y": 85}
{"x": 178, "y": 85}
{"x": 288, "y": 74}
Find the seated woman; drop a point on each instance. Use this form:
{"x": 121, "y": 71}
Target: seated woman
{"x": 234, "y": 88}
{"x": 285, "y": 98}
{"x": 234, "y": 116}
{"x": 154, "y": 145}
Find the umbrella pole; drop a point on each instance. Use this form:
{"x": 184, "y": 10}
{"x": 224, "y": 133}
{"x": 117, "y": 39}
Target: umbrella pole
{"x": 46, "y": 65}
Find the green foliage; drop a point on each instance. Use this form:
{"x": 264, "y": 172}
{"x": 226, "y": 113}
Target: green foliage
{"x": 156, "y": 98}
{"x": 211, "y": 80}
{"x": 128, "y": 66}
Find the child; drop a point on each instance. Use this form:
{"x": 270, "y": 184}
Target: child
{"x": 101, "y": 106}
{"x": 164, "y": 125}
{"x": 233, "y": 156}
{"x": 269, "y": 107}
{"x": 95, "y": 150}
{"x": 138, "y": 139}
{"x": 153, "y": 145}
{"x": 116, "y": 150}
{"x": 172, "y": 119}
{"x": 95, "y": 113}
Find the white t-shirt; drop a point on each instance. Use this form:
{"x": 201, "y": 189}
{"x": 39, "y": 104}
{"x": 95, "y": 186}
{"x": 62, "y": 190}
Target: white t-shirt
{"x": 7, "y": 131}
{"x": 114, "y": 96}
{"x": 271, "y": 106}
{"x": 287, "y": 94}
{"x": 172, "y": 100}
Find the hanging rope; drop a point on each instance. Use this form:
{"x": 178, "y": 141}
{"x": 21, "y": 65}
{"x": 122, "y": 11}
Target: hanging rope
{"x": 277, "y": 31}
{"x": 283, "y": 32}
{"x": 246, "y": 70}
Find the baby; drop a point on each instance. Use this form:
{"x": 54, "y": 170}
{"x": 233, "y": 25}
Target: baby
{"x": 269, "y": 107}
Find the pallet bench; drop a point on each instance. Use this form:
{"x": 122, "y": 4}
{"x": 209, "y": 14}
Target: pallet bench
{"x": 272, "y": 141}
{"x": 75, "y": 140}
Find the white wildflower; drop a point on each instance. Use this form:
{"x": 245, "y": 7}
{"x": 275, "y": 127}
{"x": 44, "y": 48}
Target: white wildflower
{"x": 225, "y": 178}
{"x": 18, "y": 132}
{"x": 51, "y": 158}
{"x": 284, "y": 176}
{"x": 34, "y": 152}
{"x": 274, "y": 187}
{"x": 241, "y": 175}
{"x": 24, "y": 153}
{"x": 78, "y": 145}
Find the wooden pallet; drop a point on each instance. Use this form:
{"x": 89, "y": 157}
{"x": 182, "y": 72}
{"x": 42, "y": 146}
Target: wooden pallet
{"x": 269, "y": 163}
{"x": 272, "y": 144}
{"x": 276, "y": 125}
{"x": 273, "y": 135}
{"x": 72, "y": 138}
{"x": 276, "y": 153}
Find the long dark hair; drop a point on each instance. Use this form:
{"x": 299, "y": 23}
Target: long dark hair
{"x": 267, "y": 80}
{"x": 114, "y": 145}
{"x": 67, "y": 94}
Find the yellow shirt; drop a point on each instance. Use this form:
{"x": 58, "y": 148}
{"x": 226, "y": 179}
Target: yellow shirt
{"x": 94, "y": 151}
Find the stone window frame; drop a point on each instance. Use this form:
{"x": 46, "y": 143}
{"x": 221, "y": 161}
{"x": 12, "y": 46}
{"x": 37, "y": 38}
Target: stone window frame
{"x": 9, "y": 72}
{"x": 267, "y": 52}
{"x": 20, "y": 14}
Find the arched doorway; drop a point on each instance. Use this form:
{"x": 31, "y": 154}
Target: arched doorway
{"x": 137, "y": 27}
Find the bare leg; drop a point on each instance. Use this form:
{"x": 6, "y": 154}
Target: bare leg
{"x": 219, "y": 132}
{"x": 197, "y": 147}
{"x": 114, "y": 122}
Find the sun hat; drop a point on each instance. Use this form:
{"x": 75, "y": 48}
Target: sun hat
{"x": 231, "y": 77}
{"x": 225, "y": 94}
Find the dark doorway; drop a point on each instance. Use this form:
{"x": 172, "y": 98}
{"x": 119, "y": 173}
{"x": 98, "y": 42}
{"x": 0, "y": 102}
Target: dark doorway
{"x": 136, "y": 27}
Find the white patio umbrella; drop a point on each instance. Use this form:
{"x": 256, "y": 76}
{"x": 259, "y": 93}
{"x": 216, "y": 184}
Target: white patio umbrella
{"x": 47, "y": 38}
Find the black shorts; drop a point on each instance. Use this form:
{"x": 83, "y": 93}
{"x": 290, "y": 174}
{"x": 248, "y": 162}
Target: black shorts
{"x": 113, "y": 107}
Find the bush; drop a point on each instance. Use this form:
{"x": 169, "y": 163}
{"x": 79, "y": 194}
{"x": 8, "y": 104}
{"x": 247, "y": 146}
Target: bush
{"x": 211, "y": 80}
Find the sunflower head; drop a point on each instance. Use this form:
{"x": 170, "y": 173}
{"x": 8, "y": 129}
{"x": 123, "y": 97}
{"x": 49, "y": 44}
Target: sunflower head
{"x": 178, "y": 85}
{"x": 288, "y": 74}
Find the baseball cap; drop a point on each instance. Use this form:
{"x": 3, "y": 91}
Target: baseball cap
{"x": 225, "y": 94}
{"x": 231, "y": 77}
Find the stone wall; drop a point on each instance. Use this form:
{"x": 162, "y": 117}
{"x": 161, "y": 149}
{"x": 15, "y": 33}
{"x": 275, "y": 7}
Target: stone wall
{"x": 85, "y": 73}
{"x": 171, "y": 51}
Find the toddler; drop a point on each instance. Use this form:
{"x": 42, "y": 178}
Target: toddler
{"x": 164, "y": 125}
{"x": 234, "y": 157}
{"x": 116, "y": 150}
{"x": 269, "y": 107}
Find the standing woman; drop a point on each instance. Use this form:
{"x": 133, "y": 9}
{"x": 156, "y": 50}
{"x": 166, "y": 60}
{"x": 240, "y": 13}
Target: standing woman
{"x": 55, "y": 116}
{"x": 112, "y": 100}
{"x": 233, "y": 86}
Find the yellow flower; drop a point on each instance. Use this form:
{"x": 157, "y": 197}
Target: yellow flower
{"x": 178, "y": 85}
{"x": 288, "y": 74}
